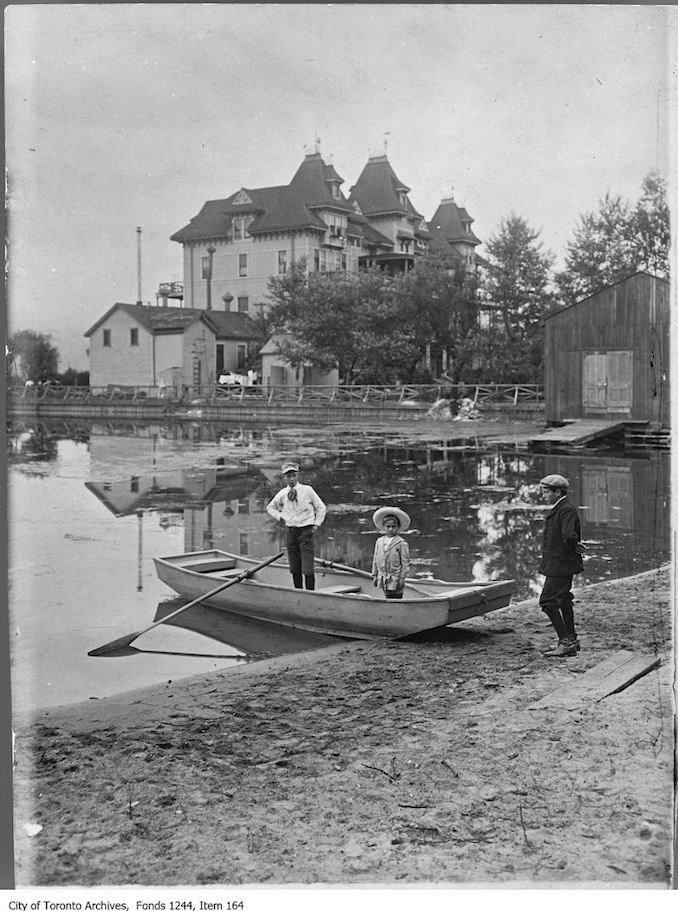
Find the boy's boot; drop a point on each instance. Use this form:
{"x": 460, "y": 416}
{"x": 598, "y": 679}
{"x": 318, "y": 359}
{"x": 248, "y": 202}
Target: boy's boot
{"x": 568, "y": 620}
{"x": 298, "y": 580}
{"x": 310, "y": 582}
{"x": 554, "y": 615}
{"x": 564, "y": 649}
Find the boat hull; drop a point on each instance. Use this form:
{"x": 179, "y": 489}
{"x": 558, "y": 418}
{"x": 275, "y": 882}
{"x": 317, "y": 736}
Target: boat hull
{"x": 362, "y": 613}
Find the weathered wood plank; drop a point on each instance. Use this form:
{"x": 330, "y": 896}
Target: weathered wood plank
{"x": 610, "y": 676}
{"x": 578, "y": 431}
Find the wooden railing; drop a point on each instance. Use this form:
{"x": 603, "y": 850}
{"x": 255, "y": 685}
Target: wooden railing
{"x": 402, "y": 394}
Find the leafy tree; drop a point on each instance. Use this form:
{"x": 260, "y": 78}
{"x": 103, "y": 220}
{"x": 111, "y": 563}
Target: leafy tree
{"x": 618, "y": 240}
{"x": 31, "y": 356}
{"x": 441, "y": 305}
{"x": 650, "y": 224}
{"x": 341, "y": 320}
{"x": 517, "y": 286}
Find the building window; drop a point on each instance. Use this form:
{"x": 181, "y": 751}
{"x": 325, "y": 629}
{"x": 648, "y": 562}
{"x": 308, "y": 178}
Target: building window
{"x": 240, "y": 356}
{"x": 134, "y": 485}
{"x": 242, "y": 265}
{"x": 134, "y": 336}
{"x": 316, "y": 260}
{"x": 243, "y": 304}
{"x": 244, "y": 543}
{"x": 107, "y": 338}
{"x": 282, "y": 262}
{"x": 205, "y": 264}
{"x": 343, "y": 262}
{"x": 220, "y": 360}
{"x": 243, "y": 507}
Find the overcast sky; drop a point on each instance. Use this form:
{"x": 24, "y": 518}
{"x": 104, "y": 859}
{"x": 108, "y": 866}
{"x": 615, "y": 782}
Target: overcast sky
{"x": 122, "y": 115}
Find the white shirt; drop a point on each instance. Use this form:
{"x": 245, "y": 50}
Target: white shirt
{"x": 307, "y": 509}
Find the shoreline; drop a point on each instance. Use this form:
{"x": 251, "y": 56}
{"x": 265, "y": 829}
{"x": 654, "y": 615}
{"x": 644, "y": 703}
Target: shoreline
{"x": 370, "y": 762}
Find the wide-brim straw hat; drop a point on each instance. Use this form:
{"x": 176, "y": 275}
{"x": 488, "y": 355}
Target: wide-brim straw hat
{"x": 385, "y": 511}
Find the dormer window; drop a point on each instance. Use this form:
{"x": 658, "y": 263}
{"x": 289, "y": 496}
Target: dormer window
{"x": 240, "y": 224}
{"x": 335, "y": 191}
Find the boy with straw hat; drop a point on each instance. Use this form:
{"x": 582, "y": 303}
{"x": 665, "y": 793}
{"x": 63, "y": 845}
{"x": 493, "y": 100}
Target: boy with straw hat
{"x": 391, "y": 561}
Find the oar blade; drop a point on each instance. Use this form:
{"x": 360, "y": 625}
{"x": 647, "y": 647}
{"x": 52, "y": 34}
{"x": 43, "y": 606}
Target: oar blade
{"x": 115, "y": 646}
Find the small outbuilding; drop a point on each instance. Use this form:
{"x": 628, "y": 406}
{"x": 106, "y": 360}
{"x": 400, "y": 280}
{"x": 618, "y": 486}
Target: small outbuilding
{"x": 138, "y": 345}
{"x": 607, "y": 356}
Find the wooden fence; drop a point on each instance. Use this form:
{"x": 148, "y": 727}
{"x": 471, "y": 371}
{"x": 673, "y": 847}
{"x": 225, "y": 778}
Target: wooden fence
{"x": 510, "y": 394}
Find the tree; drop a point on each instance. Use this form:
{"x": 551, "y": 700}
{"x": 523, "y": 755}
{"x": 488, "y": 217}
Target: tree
{"x": 31, "y": 356}
{"x": 441, "y": 305}
{"x": 613, "y": 243}
{"x": 517, "y": 286}
{"x": 650, "y": 224}
{"x": 351, "y": 322}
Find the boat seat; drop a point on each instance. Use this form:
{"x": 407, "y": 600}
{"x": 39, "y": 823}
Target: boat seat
{"x": 339, "y": 589}
{"x": 211, "y": 566}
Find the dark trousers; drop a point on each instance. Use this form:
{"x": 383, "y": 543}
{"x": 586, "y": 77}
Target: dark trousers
{"x": 394, "y": 594}
{"x": 556, "y": 601}
{"x": 300, "y": 554}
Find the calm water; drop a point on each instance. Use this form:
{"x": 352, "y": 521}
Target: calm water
{"x": 91, "y": 504}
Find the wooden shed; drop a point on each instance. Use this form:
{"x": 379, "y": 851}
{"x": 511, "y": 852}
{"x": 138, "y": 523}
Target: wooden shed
{"x": 607, "y": 356}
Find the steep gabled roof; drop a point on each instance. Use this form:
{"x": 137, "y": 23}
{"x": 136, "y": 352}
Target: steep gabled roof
{"x": 281, "y": 208}
{"x": 377, "y": 190}
{"x": 448, "y": 226}
{"x": 160, "y": 320}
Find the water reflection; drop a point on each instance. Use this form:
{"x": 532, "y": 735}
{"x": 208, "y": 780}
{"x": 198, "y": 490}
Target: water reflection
{"x": 476, "y": 514}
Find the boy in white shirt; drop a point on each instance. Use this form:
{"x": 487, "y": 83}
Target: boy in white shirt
{"x": 299, "y": 508}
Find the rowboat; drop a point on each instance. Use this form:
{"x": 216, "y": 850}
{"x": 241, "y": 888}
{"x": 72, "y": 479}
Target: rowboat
{"x": 344, "y": 602}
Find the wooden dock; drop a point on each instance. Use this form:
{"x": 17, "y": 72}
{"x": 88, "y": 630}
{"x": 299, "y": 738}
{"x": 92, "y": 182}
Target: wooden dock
{"x": 576, "y": 433}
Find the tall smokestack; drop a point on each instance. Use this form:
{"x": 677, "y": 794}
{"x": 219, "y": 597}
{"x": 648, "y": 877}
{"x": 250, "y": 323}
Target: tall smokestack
{"x": 139, "y": 301}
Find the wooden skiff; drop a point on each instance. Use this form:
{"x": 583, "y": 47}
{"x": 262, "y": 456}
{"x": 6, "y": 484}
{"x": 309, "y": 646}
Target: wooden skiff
{"x": 344, "y": 603}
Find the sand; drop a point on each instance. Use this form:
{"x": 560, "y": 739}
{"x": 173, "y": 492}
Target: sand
{"x": 384, "y": 762}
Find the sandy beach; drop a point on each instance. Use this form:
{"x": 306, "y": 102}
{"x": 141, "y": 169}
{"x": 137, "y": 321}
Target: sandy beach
{"x": 423, "y": 761}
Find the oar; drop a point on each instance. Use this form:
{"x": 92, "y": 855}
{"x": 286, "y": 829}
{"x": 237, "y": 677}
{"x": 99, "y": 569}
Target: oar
{"x": 124, "y": 641}
{"x": 328, "y": 564}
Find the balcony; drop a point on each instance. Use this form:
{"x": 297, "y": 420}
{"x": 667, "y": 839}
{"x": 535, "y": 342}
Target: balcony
{"x": 335, "y": 238}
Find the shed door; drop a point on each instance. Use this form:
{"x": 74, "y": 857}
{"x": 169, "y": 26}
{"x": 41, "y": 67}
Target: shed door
{"x": 595, "y": 369}
{"x": 619, "y": 380}
{"x": 608, "y": 381}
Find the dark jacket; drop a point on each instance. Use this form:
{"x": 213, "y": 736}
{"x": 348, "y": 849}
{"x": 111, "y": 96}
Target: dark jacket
{"x": 561, "y": 532}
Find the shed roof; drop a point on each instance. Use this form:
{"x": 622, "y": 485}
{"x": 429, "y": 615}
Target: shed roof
{"x": 600, "y": 291}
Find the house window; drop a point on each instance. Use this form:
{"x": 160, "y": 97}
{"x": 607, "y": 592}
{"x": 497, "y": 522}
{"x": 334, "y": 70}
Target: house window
{"x": 107, "y": 338}
{"x": 240, "y": 356}
{"x": 316, "y": 260}
{"x": 220, "y": 360}
{"x": 343, "y": 262}
{"x": 134, "y": 336}
{"x": 282, "y": 262}
{"x": 244, "y": 543}
{"x": 205, "y": 263}
{"x": 240, "y": 225}
{"x": 134, "y": 485}
{"x": 243, "y": 304}
{"x": 243, "y": 507}
{"x": 242, "y": 265}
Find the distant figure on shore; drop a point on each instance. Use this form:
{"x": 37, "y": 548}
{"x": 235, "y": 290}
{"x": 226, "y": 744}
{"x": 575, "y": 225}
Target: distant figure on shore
{"x": 560, "y": 561}
{"x": 301, "y": 511}
{"x": 391, "y": 561}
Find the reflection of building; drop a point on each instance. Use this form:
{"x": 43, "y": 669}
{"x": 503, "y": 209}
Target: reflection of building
{"x": 608, "y": 356}
{"x": 624, "y": 494}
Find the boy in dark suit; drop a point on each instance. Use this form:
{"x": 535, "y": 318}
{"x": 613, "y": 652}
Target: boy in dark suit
{"x": 560, "y": 561}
